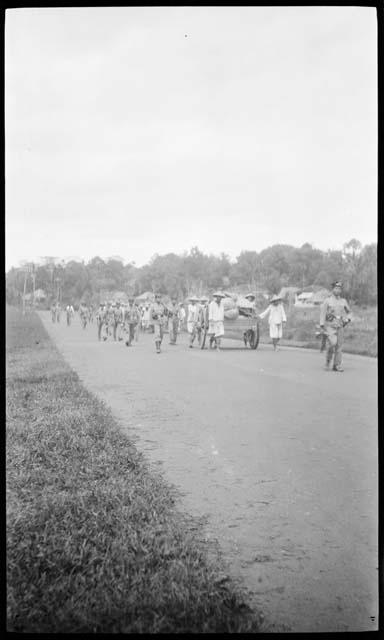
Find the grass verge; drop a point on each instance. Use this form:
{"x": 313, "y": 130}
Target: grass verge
{"x": 95, "y": 542}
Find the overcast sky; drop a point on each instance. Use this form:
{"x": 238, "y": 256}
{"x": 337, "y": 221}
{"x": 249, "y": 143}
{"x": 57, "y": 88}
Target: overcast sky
{"x": 135, "y": 131}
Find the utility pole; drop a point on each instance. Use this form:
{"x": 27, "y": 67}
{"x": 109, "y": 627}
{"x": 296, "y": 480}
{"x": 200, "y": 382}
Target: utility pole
{"x": 33, "y": 275}
{"x": 58, "y": 289}
{"x": 25, "y": 288}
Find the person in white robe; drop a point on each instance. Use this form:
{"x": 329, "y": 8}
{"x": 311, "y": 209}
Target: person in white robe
{"x": 216, "y": 319}
{"x": 277, "y": 318}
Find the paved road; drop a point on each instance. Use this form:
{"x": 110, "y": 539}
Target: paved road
{"x": 280, "y": 456}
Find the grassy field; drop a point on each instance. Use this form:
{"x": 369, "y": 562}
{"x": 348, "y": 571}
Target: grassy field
{"x": 95, "y": 541}
{"x": 360, "y": 336}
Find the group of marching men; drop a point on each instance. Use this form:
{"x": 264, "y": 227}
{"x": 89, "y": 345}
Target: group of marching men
{"x": 122, "y": 321}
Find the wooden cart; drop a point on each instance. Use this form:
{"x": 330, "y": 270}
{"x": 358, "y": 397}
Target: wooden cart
{"x": 244, "y": 328}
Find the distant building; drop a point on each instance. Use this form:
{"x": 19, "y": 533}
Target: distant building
{"x": 319, "y": 296}
{"x": 304, "y": 299}
{"x": 287, "y": 293}
{"x": 147, "y": 296}
{"x": 40, "y": 295}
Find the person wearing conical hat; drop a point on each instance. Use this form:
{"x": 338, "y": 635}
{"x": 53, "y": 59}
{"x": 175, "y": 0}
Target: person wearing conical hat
{"x": 192, "y": 319}
{"x": 277, "y": 318}
{"x": 251, "y": 297}
{"x": 334, "y": 314}
{"x": 216, "y": 320}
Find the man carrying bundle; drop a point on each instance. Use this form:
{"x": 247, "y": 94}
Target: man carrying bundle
{"x": 333, "y": 318}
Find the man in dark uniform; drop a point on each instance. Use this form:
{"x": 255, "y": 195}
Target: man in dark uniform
{"x": 109, "y": 319}
{"x": 173, "y": 320}
{"x": 83, "y": 313}
{"x": 157, "y": 317}
{"x": 100, "y": 319}
{"x": 117, "y": 321}
{"x": 131, "y": 320}
{"x": 334, "y": 314}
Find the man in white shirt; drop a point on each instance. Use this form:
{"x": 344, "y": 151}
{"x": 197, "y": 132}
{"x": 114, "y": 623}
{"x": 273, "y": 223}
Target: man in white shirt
{"x": 216, "y": 319}
{"x": 277, "y": 317}
{"x": 182, "y": 315}
{"x": 70, "y": 312}
{"x": 192, "y": 319}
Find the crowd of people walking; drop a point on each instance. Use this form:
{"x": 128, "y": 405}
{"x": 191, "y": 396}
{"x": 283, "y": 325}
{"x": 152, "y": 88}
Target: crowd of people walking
{"x": 123, "y": 321}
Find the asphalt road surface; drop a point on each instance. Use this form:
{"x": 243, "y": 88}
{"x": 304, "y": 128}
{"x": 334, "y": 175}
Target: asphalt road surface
{"x": 279, "y": 455}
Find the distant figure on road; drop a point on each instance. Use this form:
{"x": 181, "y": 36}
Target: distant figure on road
{"x": 276, "y": 319}
{"x": 145, "y": 318}
{"x": 334, "y": 314}
{"x": 182, "y": 315}
{"x": 84, "y": 314}
{"x": 118, "y": 321}
{"x": 157, "y": 317}
{"x": 90, "y": 313}
{"x": 173, "y": 320}
{"x": 53, "y": 312}
{"x": 100, "y": 319}
{"x": 247, "y": 337}
{"x": 109, "y": 319}
{"x": 58, "y": 311}
{"x": 70, "y": 312}
{"x": 192, "y": 319}
{"x": 216, "y": 320}
{"x": 202, "y": 320}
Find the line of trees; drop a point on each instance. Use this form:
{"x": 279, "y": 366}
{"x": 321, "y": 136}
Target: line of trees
{"x": 269, "y": 270}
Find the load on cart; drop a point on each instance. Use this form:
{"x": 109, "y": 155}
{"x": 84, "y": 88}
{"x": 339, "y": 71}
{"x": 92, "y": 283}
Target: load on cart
{"x": 240, "y": 321}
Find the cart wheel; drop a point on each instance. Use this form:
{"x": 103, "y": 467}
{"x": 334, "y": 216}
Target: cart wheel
{"x": 255, "y": 337}
{"x": 203, "y": 338}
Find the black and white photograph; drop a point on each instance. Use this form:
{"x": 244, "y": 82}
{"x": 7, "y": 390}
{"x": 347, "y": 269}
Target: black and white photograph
{"x": 191, "y": 228}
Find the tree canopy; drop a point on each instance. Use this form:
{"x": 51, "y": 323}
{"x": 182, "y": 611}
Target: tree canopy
{"x": 194, "y": 271}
